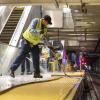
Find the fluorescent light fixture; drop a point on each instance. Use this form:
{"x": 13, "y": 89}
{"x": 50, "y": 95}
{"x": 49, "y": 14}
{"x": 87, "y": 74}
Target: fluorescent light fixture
{"x": 66, "y": 10}
{"x": 2, "y": 7}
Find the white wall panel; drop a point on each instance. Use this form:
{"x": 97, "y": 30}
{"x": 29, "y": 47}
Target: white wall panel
{"x": 57, "y": 18}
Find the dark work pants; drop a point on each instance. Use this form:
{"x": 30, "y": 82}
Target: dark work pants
{"x": 35, "y": 57}
{"x": 26, "y": 64}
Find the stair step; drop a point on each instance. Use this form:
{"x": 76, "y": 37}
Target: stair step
{"x": 11, "y": 25}
{"x": 7, "y": 26}
{"x": 6, "y": 34}
{"x": 8, "y": 29}
{"x": 15, "y": 14}
{"x": 14, "y": 18}
{"x": 18, "y": 8}
{"x": 4, "y": 37}
{"x": 5, "y": 41}
{"x": 13, "y": 21}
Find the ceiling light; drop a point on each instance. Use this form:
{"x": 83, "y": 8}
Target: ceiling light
{"x": 76, "y": 11}
{"x": 66, "y": 10}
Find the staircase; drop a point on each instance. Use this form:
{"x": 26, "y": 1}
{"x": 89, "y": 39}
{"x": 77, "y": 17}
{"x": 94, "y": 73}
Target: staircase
{"x": 11, "y": 25}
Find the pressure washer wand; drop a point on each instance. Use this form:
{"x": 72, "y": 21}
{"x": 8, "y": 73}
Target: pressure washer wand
{"x": 48, "y": 44}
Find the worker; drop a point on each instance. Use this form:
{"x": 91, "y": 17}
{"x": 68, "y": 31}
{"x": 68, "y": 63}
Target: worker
{"x": 32, "y": 37}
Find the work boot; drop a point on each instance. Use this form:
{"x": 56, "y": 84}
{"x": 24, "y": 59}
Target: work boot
{"x": 37, "y": 76}
{"x": 12, "y": 74}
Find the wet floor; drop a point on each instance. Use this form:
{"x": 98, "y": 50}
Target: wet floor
{"x": 60, "y": 89}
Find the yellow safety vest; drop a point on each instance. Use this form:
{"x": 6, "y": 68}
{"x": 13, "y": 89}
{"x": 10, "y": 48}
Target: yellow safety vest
{"x": 34, "y": 39}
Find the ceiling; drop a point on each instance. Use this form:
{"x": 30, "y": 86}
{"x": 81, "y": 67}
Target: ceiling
{"x": 86, "y": 19}
{"x": 71, "y": 2}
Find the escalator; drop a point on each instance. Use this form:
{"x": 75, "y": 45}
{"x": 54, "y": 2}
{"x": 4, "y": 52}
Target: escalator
{"x": 11, "y": 24}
